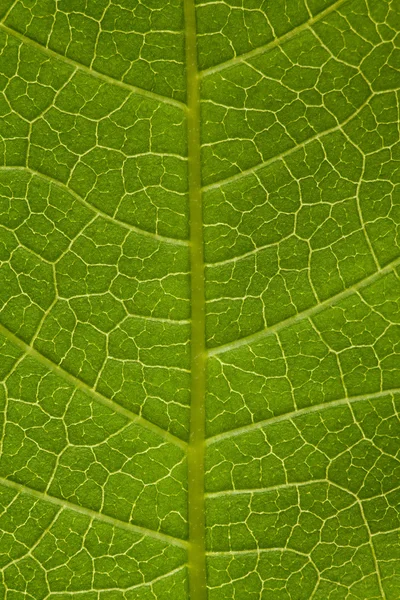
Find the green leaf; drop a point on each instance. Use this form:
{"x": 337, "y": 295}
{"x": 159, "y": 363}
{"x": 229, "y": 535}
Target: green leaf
{"x": 199, "y": 300}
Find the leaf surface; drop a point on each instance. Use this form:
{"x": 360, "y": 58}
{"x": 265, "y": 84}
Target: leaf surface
{"x": 199, "y": 300}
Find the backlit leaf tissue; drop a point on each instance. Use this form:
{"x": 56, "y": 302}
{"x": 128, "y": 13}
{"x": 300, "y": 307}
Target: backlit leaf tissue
{"x": 199, "y": 300}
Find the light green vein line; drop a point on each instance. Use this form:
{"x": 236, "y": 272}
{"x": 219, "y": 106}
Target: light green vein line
{"x": 196, "y": 448}
{"x": 256, "y": 551}
{"x": 272, "y": 488}
{"x": 291, "y": 484}
{"x": 97, "y": 211}
{"x": 110, "y": 80}
{"x": 92, "y": 513}
{"x": 84, "y": 387}
{"x": 313, "y": 310}
{"x": 10, "y": 8}
{"x": 371, "y": 545}
{"x": 111, "y": 589}
{"x": 265, "y": 490}
{"x": 277, "y": 42}
{"x": 299, "y": 413}
{"x": 384, "y": 533}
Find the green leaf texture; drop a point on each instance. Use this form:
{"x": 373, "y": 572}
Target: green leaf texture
{"x": 199, "y": 299}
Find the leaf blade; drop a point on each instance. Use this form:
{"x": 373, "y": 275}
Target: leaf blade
{"x": 112, "y": 319}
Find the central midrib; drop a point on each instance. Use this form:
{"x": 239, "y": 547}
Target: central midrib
{"x": 197, "y": 566}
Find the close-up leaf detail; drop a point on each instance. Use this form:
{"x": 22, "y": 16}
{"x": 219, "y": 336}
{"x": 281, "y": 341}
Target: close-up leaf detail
{"x": 199, "y": 300}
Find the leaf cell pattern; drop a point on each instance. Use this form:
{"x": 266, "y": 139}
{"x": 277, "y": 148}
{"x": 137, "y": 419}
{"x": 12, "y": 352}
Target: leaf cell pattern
{"x": 299, "y": 162}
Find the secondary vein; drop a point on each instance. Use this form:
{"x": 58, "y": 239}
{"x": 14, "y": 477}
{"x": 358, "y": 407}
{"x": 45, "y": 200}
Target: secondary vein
{"x": 197, "y": 561}
{"x": 24, "y": 489}
{"x": 79, "y": 384}
{"x": 309, "y": 312}
{"x": 111, "y": 80}
{"x": 240, "y": 58}
{"x": 299, "y": 413}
